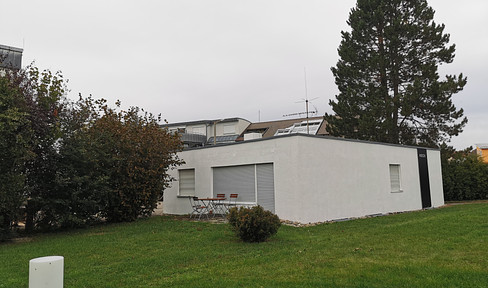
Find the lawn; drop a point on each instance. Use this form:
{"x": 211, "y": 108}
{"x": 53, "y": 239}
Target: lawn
{"x": 445, "y": 247}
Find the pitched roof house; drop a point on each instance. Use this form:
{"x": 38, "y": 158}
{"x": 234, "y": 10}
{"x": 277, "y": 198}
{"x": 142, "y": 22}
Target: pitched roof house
{"x": 315, "y": 125}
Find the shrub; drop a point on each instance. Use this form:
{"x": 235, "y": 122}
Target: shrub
{"x": 253, "y": 224}
{"x": 464, "y": 175}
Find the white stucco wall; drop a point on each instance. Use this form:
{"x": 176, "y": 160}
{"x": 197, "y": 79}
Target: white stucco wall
{"x": 334, "y": 179}
{"x": 318, "y": 179}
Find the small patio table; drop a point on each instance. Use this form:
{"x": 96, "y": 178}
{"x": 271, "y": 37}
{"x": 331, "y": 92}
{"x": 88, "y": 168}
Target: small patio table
{"x": 211, "y": 205}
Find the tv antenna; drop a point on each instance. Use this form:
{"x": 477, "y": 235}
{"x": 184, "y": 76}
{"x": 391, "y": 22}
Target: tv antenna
{"x": 306, "y": 101}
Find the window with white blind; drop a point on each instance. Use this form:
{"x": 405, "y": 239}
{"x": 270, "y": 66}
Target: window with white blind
{"x": 186, "y": 182}
{"x": 395, "y": 179}
{"x": 200, "y": 130}
{"x": 229, "y": 129}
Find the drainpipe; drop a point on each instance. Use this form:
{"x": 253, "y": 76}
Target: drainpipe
{"x": 307, "y": 117}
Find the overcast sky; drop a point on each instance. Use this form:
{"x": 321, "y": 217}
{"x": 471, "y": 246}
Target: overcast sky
{"x": 212, "y": 59}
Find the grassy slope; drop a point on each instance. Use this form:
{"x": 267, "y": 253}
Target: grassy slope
{"x": 445, "y": 247}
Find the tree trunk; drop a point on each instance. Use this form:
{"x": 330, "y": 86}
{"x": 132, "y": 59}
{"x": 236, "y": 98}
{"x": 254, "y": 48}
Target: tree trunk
{"x": 29, "y": 217}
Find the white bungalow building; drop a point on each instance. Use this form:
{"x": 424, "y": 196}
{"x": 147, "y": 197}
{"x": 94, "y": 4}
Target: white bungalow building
{"x": 307, "y": 178}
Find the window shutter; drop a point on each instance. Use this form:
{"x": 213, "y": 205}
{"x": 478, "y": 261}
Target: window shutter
{"x": 235, "y": 179}
{"x": 187, "y": 182}
{"x": 265, "y": 184}
{"x": 229, "y": 129}
{"x": 395, "y": 177}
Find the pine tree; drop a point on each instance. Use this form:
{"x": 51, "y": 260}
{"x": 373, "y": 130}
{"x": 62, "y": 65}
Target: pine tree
{"x": 387, "y": 75}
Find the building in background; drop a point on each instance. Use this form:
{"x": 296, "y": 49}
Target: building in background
{"x": 310, "y": 126}
{"x": 482, "y": 151}
{"x": 10, "y": 57}
{"x": 208, "y": 132}
{"x": 201, "y": 133}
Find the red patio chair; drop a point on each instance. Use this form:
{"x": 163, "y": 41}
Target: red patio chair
{"x": 232, "y": 200}
{"x": 197, "y": 207}
{"x": 221, "y": 206}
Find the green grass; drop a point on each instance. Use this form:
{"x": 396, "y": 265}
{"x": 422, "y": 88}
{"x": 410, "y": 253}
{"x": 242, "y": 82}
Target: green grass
{"x": 445, "y": 247}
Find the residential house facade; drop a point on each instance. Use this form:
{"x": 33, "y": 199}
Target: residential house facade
{"x": 310, "y": 178}
{"x": 10, "y": 58}
{"x": 208, "y": 132}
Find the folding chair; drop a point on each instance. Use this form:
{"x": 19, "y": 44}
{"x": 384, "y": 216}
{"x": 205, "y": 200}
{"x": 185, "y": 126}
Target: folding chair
{"x": 197, "y": 207}
{"x": 221, "y": 207}
{"x": 232, "y": 201}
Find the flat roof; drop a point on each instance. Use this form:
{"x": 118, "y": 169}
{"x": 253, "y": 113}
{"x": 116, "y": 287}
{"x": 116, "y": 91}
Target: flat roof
{"x": 10, "y": 48}
{"x": 325, "y": 137}
{"x": 226, "y": 120}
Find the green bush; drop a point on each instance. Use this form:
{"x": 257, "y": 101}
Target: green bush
{"x": 68, "y": 164}
{"x": 253, "y": 224}
{"x": 464, "y": 175}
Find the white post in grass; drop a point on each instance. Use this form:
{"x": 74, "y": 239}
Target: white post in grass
{"x": 46, "y": 272}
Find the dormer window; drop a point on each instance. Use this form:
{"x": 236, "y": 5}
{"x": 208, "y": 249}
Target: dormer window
{"x": 229, "y": 129}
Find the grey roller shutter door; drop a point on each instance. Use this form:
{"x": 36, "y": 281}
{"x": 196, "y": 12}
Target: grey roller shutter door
{"x": 235, "y": 179}
{"x": 265, "y": 184}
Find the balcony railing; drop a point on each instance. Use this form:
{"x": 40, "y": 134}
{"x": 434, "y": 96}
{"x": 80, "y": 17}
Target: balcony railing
{"x": 191, "y": 138}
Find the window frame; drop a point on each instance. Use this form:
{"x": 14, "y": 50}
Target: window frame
{"x": 395, "y": 171}
{"x": 259, "y": 189}
{"x": 200, "y": 130}
{"x": 229, "y": 129}
{"x": 182, "y": 190}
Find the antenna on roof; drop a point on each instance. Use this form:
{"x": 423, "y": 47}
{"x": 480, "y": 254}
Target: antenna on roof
{"x": 300, "y": 113}
{"x": 306, "y": 100}
{"x": 305, "y": 79}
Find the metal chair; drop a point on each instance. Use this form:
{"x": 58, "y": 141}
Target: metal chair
{"x": 197, "y": 207}
{"x": 220, "y": 206}
{"x": 232, "y": 200}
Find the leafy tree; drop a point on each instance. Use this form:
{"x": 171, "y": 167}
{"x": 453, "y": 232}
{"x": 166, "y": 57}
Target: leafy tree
{"x": 111, "y": 165}
{"x": 81, "y": 182}
{"x": 44, "y": 94}
{"x": 72, "y": 163}
{"x": 137, "y": 154}
{"x": 14, "y": 151}
{"x": 387, "y": 75}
